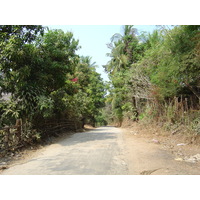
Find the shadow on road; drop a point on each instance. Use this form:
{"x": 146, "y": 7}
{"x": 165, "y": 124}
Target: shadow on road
{"x": 101, "y": 128}
{"x": 102, "y": 133}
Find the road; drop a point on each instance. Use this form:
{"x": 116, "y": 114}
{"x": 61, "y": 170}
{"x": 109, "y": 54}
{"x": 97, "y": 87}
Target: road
{"x": 101, "y": 151}
{"x": 96, "y": 152}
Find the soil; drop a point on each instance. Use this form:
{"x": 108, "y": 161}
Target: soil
{"x": 178, "y": 144}
{"x": 171, "y": 152}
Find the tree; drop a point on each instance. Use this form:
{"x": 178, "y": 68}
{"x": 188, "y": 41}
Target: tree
{"x": 34, "y": 68}
{"x": 172, "y": 61}
{"x": 126, "y": 50}
{"x": 122, "y": 49}
{"x": 154, "y": 69}
{"x": 91, "y": 90}
{"x": 18, "y": 58}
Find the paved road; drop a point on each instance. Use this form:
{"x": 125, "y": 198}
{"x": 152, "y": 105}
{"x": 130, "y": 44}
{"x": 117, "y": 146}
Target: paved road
{"x": 96, "y": 152}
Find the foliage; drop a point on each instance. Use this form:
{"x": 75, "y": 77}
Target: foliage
{"x": 124, "y": 53}
{"x": 91, "y": 90}
{"x": 9, "y": 112}
{"x": 155, "y": 76}
{"x": 47, "y": 80}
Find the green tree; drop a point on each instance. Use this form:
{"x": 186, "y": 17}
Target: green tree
{"x": 18, "y": 62}
{"x": 172, "y": 61}
{"x": 126, "y": 50}
{"x": 91, "y": 90}
{"x": 34, "y": 68}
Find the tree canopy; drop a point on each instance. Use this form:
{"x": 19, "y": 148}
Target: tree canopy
{"x": 46, "y": 78}
{"x": 149, "y": 70}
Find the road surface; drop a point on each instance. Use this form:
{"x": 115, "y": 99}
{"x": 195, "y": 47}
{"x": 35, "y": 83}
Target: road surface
{"x": 101, "y": 151}
{"x": 92, "y": 153}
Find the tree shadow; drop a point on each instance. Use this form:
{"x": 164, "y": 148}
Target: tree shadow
{"x": 84, "y": 137}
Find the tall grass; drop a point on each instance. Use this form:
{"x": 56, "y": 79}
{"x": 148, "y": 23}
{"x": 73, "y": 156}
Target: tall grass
{"x": 175, "y": 114}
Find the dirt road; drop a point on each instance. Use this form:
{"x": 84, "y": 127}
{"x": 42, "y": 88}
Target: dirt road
{"x": 102, "y": 151}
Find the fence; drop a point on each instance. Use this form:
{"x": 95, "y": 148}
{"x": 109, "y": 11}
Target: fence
{"x": 54, "y": 127}
{"x": 14, "y": 137}
{"x": 10, "y": 137}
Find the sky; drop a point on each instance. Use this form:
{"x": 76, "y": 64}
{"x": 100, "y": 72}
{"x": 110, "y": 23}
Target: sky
{"x": 93, "y": 40}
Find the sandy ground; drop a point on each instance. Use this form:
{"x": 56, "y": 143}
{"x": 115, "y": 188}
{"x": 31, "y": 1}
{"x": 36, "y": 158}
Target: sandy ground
{"x": 107, "y": 151}
{"x": 153, "y": 155}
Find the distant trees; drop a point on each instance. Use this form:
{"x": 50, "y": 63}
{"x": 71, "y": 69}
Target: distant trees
{"x": 123, "y": 54}
{"x": 89, "y": 94}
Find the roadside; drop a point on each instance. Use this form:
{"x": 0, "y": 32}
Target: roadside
{"x": 155, "y": 149}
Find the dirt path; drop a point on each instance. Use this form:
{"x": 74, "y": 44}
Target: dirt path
{"x": 146, "y": 156}
{"x": 102, "y": 151}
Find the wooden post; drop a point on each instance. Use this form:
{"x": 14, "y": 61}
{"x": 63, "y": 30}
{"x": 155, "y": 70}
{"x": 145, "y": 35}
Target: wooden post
{"x": 6, "y": 140}
{"x": 187, "y": 111}
{"x": 182, "y": 107}
{"x": 186, "y": 104}
{"x": 191, "y": 103}
{"x": 18, "y": 126}
{"x": 76, "y": 125}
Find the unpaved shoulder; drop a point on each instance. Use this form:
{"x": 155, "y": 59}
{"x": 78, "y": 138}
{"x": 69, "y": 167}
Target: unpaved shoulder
{"x": 149, "y": 155}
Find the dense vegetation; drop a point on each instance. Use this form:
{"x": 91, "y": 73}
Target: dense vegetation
{"x": 155, "y": 77}
{"x": 46, "y": 79}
